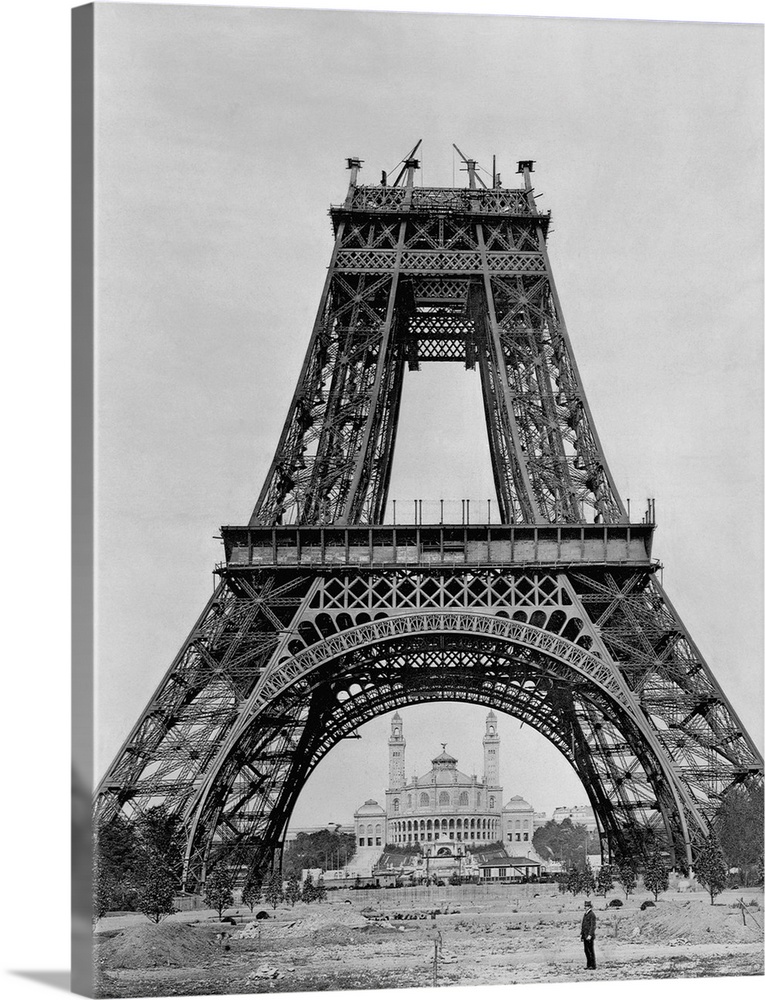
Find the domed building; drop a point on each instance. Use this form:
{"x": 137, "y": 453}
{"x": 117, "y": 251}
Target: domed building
{"x": 370, "y": 825}
{"x": 446, "y": 816}
{"x": 518, "y": 823}
{"x": 445, "y": 805}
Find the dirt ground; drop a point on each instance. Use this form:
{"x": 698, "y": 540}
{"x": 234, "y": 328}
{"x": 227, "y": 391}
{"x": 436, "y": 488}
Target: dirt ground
{"x": 485, "y": 935}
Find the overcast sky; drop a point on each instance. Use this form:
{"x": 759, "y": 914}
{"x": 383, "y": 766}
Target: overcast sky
{"x": 222, "y": 134}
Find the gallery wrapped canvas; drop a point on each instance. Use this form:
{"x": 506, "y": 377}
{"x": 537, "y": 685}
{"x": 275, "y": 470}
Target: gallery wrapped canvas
{"x": 408, "y": 350}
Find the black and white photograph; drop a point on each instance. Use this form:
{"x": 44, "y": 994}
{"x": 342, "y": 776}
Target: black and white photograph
{"x": 417, "y": 500}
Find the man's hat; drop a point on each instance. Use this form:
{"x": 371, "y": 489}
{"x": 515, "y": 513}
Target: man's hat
{"x": 587, "y": 903}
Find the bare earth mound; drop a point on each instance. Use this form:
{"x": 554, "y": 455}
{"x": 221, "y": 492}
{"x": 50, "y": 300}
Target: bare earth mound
{"x": 319, "y": 919}
{"x": 147, "y": 946}
{"x": 693, "y": 922}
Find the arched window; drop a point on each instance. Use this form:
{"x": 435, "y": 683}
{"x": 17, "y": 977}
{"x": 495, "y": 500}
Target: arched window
{"x": 395, "y": 805}
{"x": 491, "y": 802}
{"x": 370, "y": 832}
{"x": 443, "y": 799}
{"x": 409, "y": 801}
{"x": 464, "y": 799}
{"x": 424, "y": 799}
{"x": 478, "y": 800}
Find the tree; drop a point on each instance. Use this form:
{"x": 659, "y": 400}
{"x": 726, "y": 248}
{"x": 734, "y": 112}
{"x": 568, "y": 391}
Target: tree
{"x": 739, "y": 828}
{"x": 605, "y": 880}
{"x": 219, "y": 889}
{"x": 272, "y": 890}
{"x": 320, "y": 891}
{"x": 574, "y": 881}
{"x": 309, "y": 889}
{"x": 292, "y": 890}
{"x": 160, "y": 837}
{"x": 117, "y": 845}
{"x": 323, "y": 849}
{"x": 156, "y": 893}
{"x": 455, "y": 879}
{"x": 130, "y": 854}
{"x": 252, "y": 889}
{"x": 565, "y": 842}
{"x": 117, "y": 860}
{"x": 588, "y": 879}
{"x": 656, "y": 875}
{"x": 710, "y": 868}
{"x": 625, "y": 874}
{"x": 104, "y": 891}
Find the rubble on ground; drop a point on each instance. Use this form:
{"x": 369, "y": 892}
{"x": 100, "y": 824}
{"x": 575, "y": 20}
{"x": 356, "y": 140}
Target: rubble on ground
{"x": 318, "y": 918}
{"x": 149, "y": 945}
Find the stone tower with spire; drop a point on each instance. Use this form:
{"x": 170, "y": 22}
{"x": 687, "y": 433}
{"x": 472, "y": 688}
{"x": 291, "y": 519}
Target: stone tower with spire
{"x": 396, "y": 749}
{"x": 491, "y": 751}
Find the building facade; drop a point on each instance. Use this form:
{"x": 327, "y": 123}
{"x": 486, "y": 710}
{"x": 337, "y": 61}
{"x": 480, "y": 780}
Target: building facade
{"x": 583, "y": 815}
{"x": 444, "y": 804}
{"x": 370, "y": 825}
{"x": 445, "y": 811}
{"x": 518, "y": 824}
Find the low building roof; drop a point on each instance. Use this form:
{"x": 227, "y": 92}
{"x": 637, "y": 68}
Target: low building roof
{"x": 511, "y": 862}
{"x": 492, "y": 856}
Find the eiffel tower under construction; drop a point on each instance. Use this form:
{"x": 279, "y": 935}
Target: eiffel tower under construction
{"x": 326, "y": 614}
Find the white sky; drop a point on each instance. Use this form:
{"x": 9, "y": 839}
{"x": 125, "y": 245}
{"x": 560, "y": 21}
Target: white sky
{"x": 221, "y": 142}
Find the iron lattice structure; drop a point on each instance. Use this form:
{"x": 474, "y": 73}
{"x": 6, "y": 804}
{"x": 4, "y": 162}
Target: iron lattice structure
{"x": 325, "y": 617}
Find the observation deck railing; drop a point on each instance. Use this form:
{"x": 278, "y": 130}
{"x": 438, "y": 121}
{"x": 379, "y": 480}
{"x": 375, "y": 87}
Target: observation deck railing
{"x": 431, "y": 545}
{"x": 434, "y": 200}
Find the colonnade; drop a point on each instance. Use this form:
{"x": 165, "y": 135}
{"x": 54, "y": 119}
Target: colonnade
{"x": 473, "y": 829}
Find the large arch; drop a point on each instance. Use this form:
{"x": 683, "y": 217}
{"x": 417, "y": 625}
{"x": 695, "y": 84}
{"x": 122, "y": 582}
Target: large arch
{"x": 320, "y": 694}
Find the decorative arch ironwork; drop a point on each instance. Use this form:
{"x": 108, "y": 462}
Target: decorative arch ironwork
{"x": 563, "y": 691}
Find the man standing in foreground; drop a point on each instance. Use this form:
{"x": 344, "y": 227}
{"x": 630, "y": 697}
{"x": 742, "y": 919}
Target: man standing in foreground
{"x": 588, "y": 934}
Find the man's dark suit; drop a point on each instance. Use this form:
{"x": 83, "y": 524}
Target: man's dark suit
{"x": 588, "y": 936}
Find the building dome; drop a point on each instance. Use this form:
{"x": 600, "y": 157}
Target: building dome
{"x": 370, "y": 808}
{"x": 517, "y": 804}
